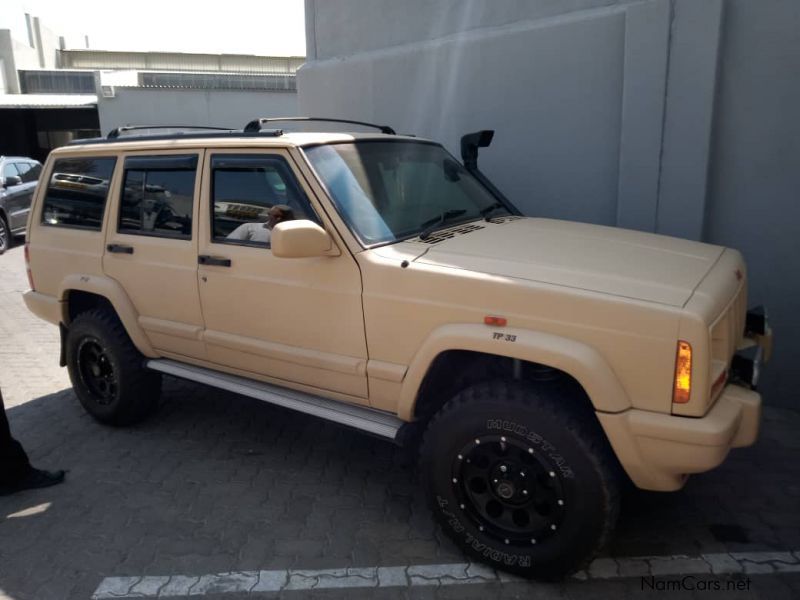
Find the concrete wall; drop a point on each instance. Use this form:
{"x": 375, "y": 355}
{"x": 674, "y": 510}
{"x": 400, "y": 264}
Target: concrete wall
{"x": 674, "y": 116}
{"x": 16, "y": 54}
{"x": 137, "y": 106}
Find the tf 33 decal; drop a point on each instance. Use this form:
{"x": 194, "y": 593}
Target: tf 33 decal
{"x": 504, "y": 337}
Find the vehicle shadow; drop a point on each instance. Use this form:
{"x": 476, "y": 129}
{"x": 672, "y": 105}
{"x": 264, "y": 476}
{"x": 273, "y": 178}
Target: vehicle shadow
{"x": 215, "y": 482}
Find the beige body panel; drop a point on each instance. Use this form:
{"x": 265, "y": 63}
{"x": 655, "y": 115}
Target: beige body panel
{"x": 622, "y": 349}
{"x": 161, "y": 274}
{"x": 659, "y": 451}
{"x": 297, "y": 320}
{"x": 623, "y": 263}
{"x": 579, "y": 360}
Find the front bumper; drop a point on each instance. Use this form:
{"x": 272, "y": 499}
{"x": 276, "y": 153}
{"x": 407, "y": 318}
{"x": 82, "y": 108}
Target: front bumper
{"x": 659, "y": 451}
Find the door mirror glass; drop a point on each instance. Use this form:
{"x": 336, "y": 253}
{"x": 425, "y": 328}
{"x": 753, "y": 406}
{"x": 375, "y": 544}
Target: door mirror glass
{"x": 300, "y": 239}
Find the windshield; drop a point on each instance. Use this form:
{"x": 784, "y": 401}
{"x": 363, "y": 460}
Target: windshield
{"x": 388, "y": 191}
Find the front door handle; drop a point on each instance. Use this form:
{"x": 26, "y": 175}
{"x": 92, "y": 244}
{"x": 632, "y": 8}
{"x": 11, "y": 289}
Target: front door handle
{"x": 120, "y": 248}
{"x": 214, "y": 261}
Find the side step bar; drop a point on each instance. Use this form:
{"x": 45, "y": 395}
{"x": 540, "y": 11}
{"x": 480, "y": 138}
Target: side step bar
{"x": 367, "y": 419}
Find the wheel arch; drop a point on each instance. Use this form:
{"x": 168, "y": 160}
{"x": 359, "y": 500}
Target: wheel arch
{"x": 478, "y": 346}
{"x": 80, "y": 292}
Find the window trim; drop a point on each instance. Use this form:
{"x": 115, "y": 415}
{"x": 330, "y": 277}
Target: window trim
{"x": 190, "y": 160}
{"x": 255, "y": 157}
{"x": 52, "y": 171}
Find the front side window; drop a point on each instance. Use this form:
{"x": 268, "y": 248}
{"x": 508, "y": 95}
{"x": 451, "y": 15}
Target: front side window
{"x": 29, "y": 171}
{"x": 250, "y": 195}
{"x": 158, "y": 196}
{"x": 387, "y": 191}
{"x": 10, "y": 170}
{"x": 77, "y": 191}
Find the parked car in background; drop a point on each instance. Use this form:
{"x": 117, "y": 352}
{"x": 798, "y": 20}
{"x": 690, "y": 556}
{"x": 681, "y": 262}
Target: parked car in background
{"x": 18, "y": 177}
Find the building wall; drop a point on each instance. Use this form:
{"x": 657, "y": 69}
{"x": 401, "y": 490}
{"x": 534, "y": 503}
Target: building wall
{"x": 137, "y": 106}
{"x": 674, "y": 116}
{"x": 16, "y": 54}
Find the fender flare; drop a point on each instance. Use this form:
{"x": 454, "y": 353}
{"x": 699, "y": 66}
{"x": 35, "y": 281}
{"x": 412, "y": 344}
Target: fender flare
{"x": 116, "y": 295}
{"x": 575, "y": 358}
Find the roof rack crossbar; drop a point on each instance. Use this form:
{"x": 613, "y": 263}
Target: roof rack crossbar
{"x": 256, "y": 124}
{"x": 117, "y": 131}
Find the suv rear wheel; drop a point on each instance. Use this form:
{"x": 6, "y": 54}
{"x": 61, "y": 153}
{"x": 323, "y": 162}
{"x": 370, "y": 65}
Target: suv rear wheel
{"x": 107, "y": 372}
{"x": 520, "y": 479}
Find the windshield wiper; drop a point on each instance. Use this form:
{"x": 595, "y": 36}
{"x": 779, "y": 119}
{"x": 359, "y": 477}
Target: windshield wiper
{"x": 485, "y": 212}
{"x": 431, "y": 224}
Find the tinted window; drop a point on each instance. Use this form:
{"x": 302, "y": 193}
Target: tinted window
{"x": 9, "y": 170}
{"x": 244, "y": 189}
{"x": 77, "y": 191}
{"x": 394, "y": 190}
{"x": 29, "y": 171}
{"x": 158, "y": 195}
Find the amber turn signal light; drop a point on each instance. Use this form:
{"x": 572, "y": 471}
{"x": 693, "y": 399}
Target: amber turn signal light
{"x": 683, "y": 373}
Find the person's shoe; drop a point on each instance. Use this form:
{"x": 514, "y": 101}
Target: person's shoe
{"x": 35, "y": 478}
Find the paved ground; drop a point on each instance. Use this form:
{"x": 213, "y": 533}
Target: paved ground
{"x": 217, "y": 483}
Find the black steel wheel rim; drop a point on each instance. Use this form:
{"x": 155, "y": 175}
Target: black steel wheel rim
{"x": 97, "y": 371}
{"x": 510, "y": 490}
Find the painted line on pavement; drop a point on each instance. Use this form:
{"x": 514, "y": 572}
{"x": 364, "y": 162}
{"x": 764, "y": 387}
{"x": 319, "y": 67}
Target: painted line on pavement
{"x": 285, "y": 580}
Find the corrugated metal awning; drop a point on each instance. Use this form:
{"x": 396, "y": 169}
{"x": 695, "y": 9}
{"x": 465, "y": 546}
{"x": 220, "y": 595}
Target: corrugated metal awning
{"x": 48, "y": 100}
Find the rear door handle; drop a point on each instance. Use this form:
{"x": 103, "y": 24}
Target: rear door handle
{"x": 120, "y": 248}
{"x": 214, "y": 261}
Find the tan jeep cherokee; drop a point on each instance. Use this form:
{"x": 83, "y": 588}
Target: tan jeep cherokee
{"x": 375, "y": 281}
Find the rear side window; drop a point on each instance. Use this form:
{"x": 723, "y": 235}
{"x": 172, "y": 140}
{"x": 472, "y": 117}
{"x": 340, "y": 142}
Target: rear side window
{"x": 158, "y": 196}
{"x": 77, "y": 192}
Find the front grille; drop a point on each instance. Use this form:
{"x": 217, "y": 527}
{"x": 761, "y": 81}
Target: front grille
{"x": 728, "y": 330}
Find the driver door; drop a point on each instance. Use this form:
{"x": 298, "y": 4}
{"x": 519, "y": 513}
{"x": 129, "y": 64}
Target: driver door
{"x": 296, "y": 321}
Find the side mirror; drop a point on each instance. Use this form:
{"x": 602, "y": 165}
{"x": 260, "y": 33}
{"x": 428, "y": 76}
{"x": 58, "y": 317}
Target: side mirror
{"x": 12, "y": 180}
{"x": 300, "y": 239}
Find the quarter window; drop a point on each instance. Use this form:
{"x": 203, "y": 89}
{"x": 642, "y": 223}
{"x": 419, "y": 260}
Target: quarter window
{"x": 250, "y": 194}
{"x": 77, "y": 191}
{"x": 158, "y": 196}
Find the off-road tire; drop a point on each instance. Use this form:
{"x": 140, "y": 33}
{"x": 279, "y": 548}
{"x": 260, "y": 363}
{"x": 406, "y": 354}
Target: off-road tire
{"x": 552, "y": 449}
{"x": 5, "y": 235}
{"x": 120, "y": 390}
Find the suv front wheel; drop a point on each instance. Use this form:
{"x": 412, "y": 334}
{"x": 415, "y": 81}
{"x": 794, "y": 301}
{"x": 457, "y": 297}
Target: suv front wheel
{"x": 107, "y": 372}
{"x": 521, "y": 478}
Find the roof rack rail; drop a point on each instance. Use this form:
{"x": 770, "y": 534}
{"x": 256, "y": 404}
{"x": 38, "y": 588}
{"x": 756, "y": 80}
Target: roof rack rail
{"x": 256, "y": 124}
{"x": 117, "y": 131}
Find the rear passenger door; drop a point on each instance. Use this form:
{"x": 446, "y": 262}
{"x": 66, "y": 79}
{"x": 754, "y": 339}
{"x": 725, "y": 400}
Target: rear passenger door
{"x": 151, "y": 247}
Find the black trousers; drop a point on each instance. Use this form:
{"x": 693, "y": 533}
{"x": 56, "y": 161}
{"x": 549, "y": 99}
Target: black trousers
{"x": 14, "y": 462}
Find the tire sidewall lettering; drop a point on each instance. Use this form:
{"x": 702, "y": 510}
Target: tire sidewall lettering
{"x": 548, "y": 449}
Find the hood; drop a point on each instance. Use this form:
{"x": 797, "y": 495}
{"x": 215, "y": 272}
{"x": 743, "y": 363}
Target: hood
{"x": 621, "y": 262}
